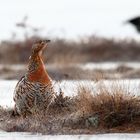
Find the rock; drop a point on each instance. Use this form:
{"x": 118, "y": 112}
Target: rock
{"x": 92, "y": 121}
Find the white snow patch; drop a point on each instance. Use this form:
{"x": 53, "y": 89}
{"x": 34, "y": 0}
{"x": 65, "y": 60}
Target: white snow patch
{"x": 108, "y": 65}
{"x": 28, "y": 136}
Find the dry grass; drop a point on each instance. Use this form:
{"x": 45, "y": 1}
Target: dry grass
{"x": 106, "y": 110}
{"x": 116, "y": 107}
{"x": 62, "y": 51}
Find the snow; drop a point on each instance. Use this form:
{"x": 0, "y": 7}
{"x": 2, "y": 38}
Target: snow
{"x": 6, "y": 92}
{"x": 28, "y": 136}
{"x": 108, "y": 65}
{"x": 13, "y": 66}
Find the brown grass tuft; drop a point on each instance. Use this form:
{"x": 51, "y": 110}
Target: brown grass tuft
{"x": 107, "y": 108}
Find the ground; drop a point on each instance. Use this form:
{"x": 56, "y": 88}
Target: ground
{"x": 106, "y": 109}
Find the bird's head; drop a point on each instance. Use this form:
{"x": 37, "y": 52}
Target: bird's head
{"x": 39, "y": 46}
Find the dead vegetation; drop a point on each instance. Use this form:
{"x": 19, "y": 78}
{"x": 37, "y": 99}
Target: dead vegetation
{"x": 62, "y": 51}
{"x": 100, "y": 111}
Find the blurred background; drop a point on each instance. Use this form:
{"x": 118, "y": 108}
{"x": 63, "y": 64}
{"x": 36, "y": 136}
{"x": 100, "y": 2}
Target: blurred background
{"x": 90, "y": 39}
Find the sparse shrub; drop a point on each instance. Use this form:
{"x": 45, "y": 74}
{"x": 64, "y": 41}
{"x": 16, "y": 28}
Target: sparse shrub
{"x": 108, "y": 108}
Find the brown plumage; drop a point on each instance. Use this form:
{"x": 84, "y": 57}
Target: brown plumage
{"x": 34, "y": 90}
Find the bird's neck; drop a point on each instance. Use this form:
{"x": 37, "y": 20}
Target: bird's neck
{"x": 36, "y": 70}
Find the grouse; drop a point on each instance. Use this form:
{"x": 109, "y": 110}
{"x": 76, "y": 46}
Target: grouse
{"x": 34, "y": 91}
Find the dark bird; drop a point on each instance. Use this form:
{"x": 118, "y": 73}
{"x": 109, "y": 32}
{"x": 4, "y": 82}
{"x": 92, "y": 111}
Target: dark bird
{"x": 135, "y": 22}
{"x": 34, "y": 90}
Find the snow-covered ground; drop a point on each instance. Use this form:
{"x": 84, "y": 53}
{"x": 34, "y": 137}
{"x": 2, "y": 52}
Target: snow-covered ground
{"x": 27, "y": 136}
{"x": 109, "y": 65}
{"x": 69, "y": 88}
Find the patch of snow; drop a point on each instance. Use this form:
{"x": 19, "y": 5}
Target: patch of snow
{"x": 6, "y": 92}
{"x": 13, "y": 66}
{"x": 28, "y": 136}
{"x": 108, "y": 65}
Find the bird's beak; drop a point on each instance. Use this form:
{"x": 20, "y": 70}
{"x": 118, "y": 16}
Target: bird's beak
{"x": 47, "y": 41}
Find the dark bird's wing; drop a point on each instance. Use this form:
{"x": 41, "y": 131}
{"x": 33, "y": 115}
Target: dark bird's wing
{"x": 135, "y": 22}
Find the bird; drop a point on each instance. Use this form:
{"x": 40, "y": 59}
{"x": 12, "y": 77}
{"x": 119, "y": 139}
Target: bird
{"x": 35, "y": 89}
{"x": 135, "y": 22}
